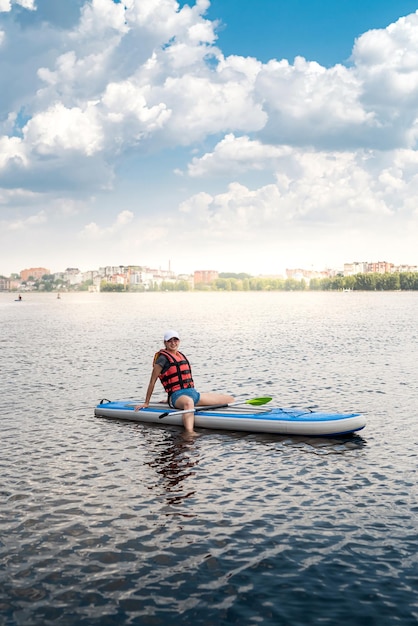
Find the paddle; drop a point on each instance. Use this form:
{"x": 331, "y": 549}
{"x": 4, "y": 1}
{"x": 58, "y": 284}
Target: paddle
{"x": 253, "y": 401}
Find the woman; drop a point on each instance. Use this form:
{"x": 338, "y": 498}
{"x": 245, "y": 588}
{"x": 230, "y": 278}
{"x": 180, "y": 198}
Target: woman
{"x": 175, "y": 373}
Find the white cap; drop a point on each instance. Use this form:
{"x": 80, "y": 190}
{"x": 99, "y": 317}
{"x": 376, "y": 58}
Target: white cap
{"x": 169, "y": 334}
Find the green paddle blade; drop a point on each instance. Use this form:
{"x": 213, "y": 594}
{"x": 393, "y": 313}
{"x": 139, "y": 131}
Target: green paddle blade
{"x": 258, "y": 401}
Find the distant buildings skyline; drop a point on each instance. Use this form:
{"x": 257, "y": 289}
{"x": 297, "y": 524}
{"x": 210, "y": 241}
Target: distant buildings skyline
{"x": 207, "y": 275}
{"x": 143, "y": 277}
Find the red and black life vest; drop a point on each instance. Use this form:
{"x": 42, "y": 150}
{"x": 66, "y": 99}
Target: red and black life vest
{"x": 178, "y": 375}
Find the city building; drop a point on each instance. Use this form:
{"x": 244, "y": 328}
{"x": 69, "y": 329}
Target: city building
{"x": 205, "y": 276}
{"x": 381, "y": 267}
{"x": 4, "y": 284}
{"x": 300, "y": 274}
{"x": 143, "y": 278}
{"x": 351, "y": 269}
{"x": 405, "y": 268}
{"x": 34, "y": 273}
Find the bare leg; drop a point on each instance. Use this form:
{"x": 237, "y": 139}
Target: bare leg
{"x": 207, "y": 399}
{"x": 183, "y": 403}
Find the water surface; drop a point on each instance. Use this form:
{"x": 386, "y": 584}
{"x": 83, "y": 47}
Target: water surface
{"x": 105, "y": 522}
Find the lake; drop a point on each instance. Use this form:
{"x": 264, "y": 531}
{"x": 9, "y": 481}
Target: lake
{"x": 106, "y": 522}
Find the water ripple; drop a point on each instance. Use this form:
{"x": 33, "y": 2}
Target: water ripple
{"x": 107, "y": 523}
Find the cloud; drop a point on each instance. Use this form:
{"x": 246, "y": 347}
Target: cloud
{"x": 61, "y": 129}
{"x": 308, "y": 104}
{"x": 312, "y": 189}
{"x": 386, "y": 62}
{"x": 12, "y": 149}
{"x": 10, "y": 199}
{"x": 321, "y": 204}
{"x": 7, "y": 5}
{"x": 32, "y": 220}
{"x": 182, "y": 89}
{"x": 237, "y": 154}
{"x": 93, "y": 231}
{"x": 86, "y": 100}
{"x": 313, "y": 184}
{"x": 99, "y": 17}
{"x": 265, "y": 149}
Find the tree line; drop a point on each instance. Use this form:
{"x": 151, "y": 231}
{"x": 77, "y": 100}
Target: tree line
{"x": 402, "y": 281}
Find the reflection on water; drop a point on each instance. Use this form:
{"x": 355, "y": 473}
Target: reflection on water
{"x": 105, "y": 522}
{"x": 320, "y": 445}
{"x": 174, "y": 464}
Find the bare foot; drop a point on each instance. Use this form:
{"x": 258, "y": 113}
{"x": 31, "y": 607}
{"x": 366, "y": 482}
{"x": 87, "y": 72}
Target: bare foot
{"x": 190, "y": 434}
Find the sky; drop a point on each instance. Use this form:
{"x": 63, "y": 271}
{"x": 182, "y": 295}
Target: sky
{"x": 226, "y": 135}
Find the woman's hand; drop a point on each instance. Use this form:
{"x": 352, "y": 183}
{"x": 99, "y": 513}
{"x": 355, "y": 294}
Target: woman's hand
{"x": 141, "y": 406}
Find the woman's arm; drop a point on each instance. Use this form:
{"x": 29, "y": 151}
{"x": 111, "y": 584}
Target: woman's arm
{"x": 156, "y": 371}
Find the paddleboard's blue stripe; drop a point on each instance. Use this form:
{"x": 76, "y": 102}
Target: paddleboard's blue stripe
{"x": 272, "y": 415}
{"x": 283, "y": 417}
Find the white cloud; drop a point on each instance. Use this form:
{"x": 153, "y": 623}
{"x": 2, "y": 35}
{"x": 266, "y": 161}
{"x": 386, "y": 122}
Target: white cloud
{"x": 12, "y": 149}
{"x": 163, "y": 20}
{"x": 316, "y": 184}
{"x": 32, "y": 220}
{"x": 322, "y": 147}
{"x": 386, "y": 62}
{"x": 235, "y": 154}
{"x": 125, "y": 217}
{"x": 6, "y": 5}
{"x": 98, "y": 16}
{"x": 322, "y": 204}
{"x": 93, "y": 231}
{"x": 126, "y": 115}
{"x": 16, "y": 197}
{"x": 313, "y": 189}
{"x": 172, "y": 96}
{"x": 308, "y": 104}
{"x": 59, "y": 128}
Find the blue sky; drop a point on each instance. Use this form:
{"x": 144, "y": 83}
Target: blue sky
{"x": 320, "y": 30}
{"x": 229, "y": 135}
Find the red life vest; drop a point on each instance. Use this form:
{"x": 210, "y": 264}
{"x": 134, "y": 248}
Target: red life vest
{"x": 178, "y": 375}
